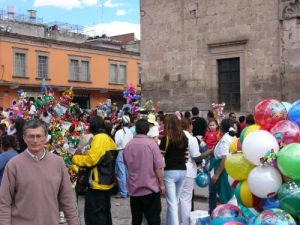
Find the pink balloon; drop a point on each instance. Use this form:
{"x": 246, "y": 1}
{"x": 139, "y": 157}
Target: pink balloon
{"x": 286, "y": 131}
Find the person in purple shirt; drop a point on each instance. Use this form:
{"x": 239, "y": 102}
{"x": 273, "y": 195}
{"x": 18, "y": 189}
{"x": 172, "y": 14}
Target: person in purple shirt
{"x": 9, "y": 145}
{"x": 145, "y": 183}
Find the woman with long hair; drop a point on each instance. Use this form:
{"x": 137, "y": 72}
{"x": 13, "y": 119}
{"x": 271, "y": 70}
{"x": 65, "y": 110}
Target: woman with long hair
{"x": 174, "y": 146}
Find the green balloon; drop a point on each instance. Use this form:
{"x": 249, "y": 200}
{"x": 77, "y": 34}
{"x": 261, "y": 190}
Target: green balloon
{"x": 289, "y": 161}
{"x": 289, "y": 198}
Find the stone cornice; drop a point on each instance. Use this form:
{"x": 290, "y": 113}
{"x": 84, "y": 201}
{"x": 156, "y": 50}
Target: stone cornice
{"x": 228, "y": 43}
{"x": 289, "y": 9}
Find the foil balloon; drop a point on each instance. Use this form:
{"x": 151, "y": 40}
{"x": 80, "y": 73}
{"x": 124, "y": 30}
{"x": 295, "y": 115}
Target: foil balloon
{"x": 286, "y": 132}
{"x": 274, "y": 217}
{"x": 294, "y": 113}
{"x": 289, "y": 198}
{"x": 287, "y": 105}
{"x": 227, "y": 213}
{"x": 234, "y": 223}
{"x": 269, "y": 112}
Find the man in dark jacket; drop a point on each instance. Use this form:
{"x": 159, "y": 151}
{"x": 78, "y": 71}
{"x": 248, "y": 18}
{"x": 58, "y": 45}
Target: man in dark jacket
{"x": 199, "y": 124}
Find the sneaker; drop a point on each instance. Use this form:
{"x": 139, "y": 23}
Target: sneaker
{"x": 61, "y": 218}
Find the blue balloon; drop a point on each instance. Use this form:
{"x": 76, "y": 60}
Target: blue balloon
{"x": 287, "y": 105}
{"x": 294, "y": 113}
{"x": 251, "y": 221}
{"x": 269, "y": 203}
{"x": 274, "y": 217}
{"x": 202, "y": 179}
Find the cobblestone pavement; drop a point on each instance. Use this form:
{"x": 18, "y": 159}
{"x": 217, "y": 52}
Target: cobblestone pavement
{"x": 121, "y": 209}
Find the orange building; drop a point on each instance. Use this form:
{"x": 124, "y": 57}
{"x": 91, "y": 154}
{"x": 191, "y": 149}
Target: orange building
{"x": 95, "y": 73}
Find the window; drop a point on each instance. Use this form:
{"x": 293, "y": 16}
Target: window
{"x": 79, "y": 69}
{"x": 140, "y": 74}
{"x": 85, "y": 70}
{"x": 229, "y": 83}
{"x": 20, "y": 62}
{"x": 118, "y": 73}
{"x": 74, "y": 70}
{"x": 42, "y": 64}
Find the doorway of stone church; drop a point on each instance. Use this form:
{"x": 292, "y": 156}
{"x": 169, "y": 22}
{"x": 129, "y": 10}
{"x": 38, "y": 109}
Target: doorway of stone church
{"x": 229, "y": 83}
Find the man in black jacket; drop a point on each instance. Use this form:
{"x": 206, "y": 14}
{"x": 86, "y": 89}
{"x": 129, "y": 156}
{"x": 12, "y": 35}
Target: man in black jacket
{"x": 199, "y": 124}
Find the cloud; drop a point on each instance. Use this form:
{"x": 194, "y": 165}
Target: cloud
{"x": 114, "y": 28}
{"x": 90, "y": 2}
{"x": 111, "y": 4}
{"x": 121, "y": 12}
{"x": 66, "y": 4}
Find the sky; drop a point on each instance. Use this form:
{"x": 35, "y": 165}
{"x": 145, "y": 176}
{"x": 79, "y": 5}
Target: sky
{"x": 110, "y": 17}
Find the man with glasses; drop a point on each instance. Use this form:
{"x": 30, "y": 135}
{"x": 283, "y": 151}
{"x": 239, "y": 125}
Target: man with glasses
{"x": 36, "y": 184}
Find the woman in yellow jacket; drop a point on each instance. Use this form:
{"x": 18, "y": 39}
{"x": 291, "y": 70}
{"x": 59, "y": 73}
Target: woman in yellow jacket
{"x": 100, "y": 161}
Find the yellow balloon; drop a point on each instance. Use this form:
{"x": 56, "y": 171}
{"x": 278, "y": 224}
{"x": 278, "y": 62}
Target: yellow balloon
{"x": 237, "y": 166}
{"x": 234, "y": 146}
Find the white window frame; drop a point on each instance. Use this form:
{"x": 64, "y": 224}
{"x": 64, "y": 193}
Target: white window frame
{"x": 80, "y": 59}
{"x": 45, "y": 54}
{"x": 25, "y": 52}
{"x": 118, "y": 64}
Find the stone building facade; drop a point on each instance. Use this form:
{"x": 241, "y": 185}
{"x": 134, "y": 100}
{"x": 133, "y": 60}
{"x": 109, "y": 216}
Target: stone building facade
{"x": 195, "y": 52}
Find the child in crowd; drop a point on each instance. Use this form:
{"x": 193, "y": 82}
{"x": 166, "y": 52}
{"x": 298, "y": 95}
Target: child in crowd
{"x": 212, "y": 134}
{"x": 210, "y": 139}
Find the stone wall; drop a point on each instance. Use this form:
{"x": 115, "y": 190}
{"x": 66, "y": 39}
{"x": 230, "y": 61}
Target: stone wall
{"x": 183, "y": 39}
{"x": 290, "y": 49}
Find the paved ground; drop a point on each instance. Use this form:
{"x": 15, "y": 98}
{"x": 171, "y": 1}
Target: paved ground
{"x": 121, "y": 209}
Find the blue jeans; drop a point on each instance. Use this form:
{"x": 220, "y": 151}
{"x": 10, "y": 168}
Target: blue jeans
{"x": 122, "y": 173}
{"x": 173, "y": 180}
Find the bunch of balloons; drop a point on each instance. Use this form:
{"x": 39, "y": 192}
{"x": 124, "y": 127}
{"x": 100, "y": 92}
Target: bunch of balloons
{"x": 133, "y": 98}
{"x": 218, "y": 110}
{"x": 264, "y": 163}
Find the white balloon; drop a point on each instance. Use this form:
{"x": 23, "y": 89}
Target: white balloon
{"x": 264, "y": 181}
{"x": 257, "y": 144}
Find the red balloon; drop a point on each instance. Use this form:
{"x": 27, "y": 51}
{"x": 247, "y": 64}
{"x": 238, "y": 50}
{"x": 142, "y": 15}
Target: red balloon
{"x": 286, "y": 131}
{"x": 269, "y": 112}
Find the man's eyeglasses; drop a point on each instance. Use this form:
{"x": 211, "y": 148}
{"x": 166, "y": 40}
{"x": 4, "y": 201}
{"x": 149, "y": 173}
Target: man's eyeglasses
{"x": 35, "y": 137}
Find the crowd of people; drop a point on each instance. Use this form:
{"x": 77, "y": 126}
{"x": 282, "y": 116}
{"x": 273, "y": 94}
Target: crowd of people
{"x": 145, "y": 154}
